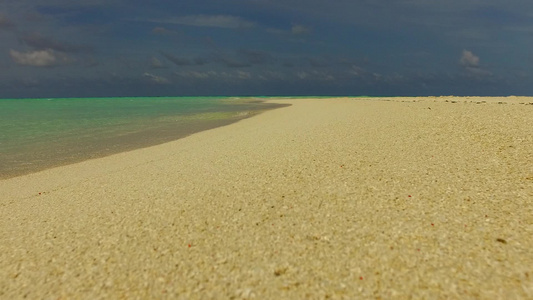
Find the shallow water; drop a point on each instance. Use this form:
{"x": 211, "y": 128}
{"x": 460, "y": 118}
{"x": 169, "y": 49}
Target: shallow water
{"x": 36, "y": 134}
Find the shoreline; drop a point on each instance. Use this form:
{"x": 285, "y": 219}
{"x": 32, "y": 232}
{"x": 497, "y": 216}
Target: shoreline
{"x": 54, "y": 155}
{"x": 341, "y": 198}
{"x": 134, "y": 141}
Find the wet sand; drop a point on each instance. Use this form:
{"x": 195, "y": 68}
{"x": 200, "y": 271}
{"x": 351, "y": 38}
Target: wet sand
{"x": 386, "y": 198}
{"x": 102, "y": 142}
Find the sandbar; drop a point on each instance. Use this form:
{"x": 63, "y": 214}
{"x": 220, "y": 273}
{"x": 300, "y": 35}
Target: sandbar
{"x": 342, "y": 198}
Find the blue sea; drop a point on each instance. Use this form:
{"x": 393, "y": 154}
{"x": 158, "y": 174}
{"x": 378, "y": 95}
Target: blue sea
{"x": 37, "y": 134}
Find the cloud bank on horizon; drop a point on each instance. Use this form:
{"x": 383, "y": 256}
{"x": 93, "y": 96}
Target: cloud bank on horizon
{"x": 63, "y": 48}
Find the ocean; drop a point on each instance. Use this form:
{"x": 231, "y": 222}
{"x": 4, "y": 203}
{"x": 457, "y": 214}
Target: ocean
{"x": 36, "y": 134}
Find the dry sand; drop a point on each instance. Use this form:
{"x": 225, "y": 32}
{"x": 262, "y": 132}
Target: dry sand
{"x": 343, "y": 198}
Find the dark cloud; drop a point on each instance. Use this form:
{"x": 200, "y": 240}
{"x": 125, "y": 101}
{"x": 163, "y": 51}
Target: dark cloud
{"x": 178, "y": 61}
{"x": 39, "y": 42}
{"x": 318, "y": 62}
{"x": 270, "y": 46}
{"x": 478, "y": 72}
{"x": 161, "y": 30}
{"x": 255, "y": 57}
{"x": 229, "y": 60}
{"x": 288, "y": 64}
{"x": 234, "y": 63}
{"x": 5, "y": 23}
{"x": 200, "y": 61}
{"x": 315, "y": 75}
{"x": 219, "y": 21}
{"x": 242, "y": 58}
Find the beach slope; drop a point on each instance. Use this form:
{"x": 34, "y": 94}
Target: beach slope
{"x": 327, "y": 198}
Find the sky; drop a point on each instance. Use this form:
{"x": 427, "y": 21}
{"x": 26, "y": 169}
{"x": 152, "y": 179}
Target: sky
{"x": 98, "y": 48}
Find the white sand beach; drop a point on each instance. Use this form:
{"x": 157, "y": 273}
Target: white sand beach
{"x": 348, "y": 198}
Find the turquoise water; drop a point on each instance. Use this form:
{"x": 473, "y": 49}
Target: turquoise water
{"x": 36, "y": 134}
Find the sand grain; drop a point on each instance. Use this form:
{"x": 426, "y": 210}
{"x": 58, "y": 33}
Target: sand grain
{"x": 342, "y": 198}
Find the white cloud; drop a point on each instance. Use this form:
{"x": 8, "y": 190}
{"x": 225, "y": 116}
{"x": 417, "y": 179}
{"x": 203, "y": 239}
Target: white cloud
{"x": 357, "y": 71}
{"x": 156, "y": 79}
{"x": 39, "y": 58}
{"x": 231, "y": 76}
{"x": 156, "y": 63}
{"x": 470, "y": 62}
{"x": 244, "y": 75}
{"x": 468, "y": 59}
{"x": 302, "y": 75}
{"x": 220, "y": 21}
{"x": 294, "y": 30}
{"x": 314, "y": 75}
{"x": 196, "y": 74}
{"x": 299, "y": 29}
